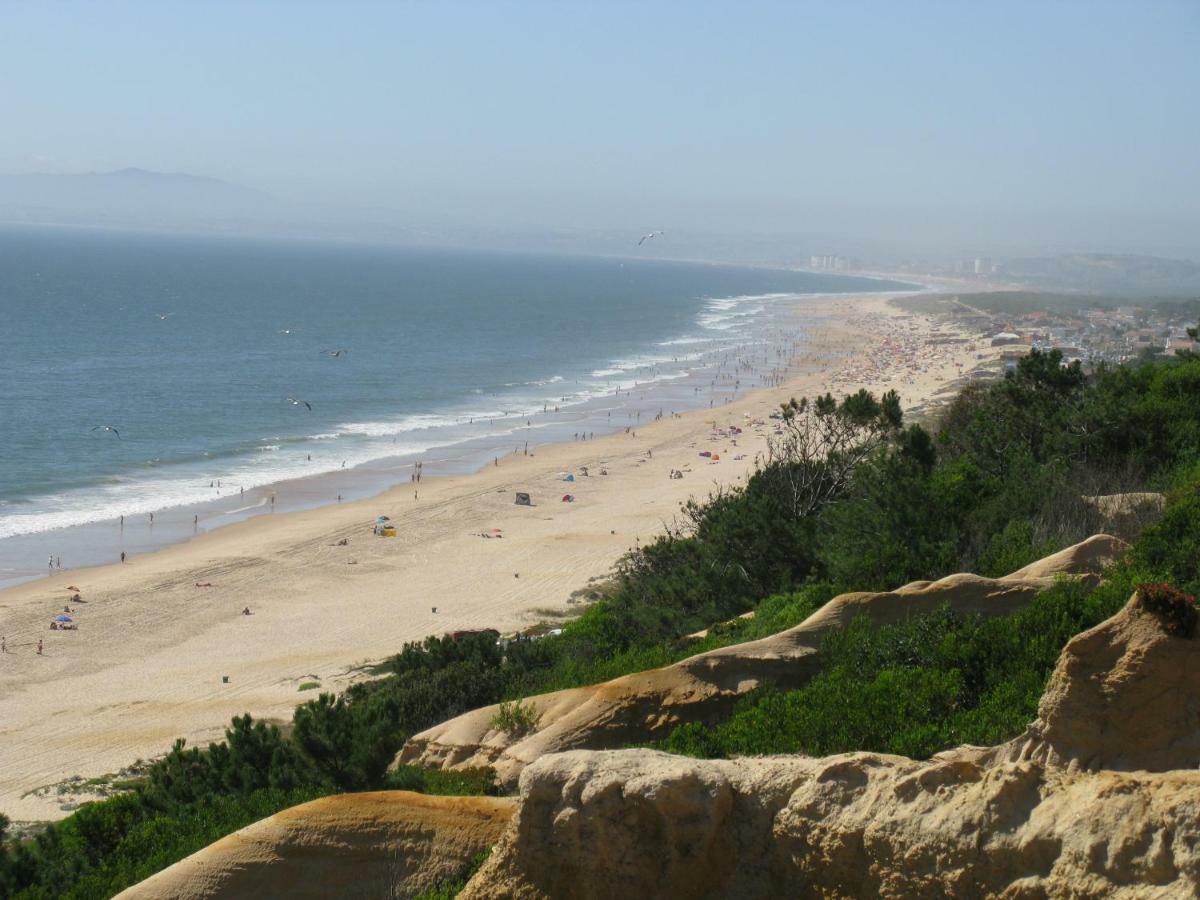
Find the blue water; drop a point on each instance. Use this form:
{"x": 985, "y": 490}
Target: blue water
{"x": 190, "y": 347}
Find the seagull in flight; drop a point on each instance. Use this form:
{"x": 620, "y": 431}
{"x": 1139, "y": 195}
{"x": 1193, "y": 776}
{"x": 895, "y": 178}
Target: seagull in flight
{"x": 285, "y": 331}
{"x": 162, "y": 317}
{"x": 304, "y": 403}
{"x": 646, "y": 237}
{"x": 108, "y": 428}
{"x": 341, "y": 351}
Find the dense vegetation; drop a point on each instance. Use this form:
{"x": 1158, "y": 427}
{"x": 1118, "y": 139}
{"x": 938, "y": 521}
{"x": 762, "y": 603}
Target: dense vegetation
{"x": 849, "y": 498}
{"x": 943, "y": 679}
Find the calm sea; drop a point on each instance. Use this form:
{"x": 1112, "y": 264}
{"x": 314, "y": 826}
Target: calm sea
{"x": 191, "y": 348}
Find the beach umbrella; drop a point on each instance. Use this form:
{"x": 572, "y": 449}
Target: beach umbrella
{"x": 382, "y": 519}
{"x": 62, "y": 617}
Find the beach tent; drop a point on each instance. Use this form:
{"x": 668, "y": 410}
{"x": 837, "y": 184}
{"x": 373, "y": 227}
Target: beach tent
{"x": 569, "y": 478}
{"x": 63, "y": 617}
{"x": 568, "y": 498}
{"x": 523, "y": 499}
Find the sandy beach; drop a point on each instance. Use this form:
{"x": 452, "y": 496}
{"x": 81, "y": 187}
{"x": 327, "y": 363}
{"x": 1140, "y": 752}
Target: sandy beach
{"x": 158, "y": 635}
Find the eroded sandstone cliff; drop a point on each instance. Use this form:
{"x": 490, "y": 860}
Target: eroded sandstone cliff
{"x": 1099, "y": 798}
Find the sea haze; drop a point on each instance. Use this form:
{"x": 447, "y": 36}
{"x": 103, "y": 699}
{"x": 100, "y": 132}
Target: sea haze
{"x": 190, "y": 347}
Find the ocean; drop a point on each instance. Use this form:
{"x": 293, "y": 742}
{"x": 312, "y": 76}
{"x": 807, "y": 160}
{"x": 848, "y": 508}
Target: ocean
{"x": 193, "y": 348}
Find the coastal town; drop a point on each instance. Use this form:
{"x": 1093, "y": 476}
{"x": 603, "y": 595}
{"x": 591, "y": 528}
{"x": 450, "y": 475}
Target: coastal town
{"x": 1090, "y": 335}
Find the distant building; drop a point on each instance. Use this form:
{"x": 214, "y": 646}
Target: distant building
{"x": 983, "y": 265}
{"x": 832, "y": 262}
{"x": 1006, "y": 337}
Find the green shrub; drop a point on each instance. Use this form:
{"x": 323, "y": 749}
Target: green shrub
{"x": 471, "y": 782}
{"x": 1174, "y": 609}
{"x": 1172, "y": 545}
{"x": 515, "y": 718}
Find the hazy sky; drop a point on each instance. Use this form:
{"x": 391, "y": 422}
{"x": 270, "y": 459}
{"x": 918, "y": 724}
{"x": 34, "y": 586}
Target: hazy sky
{"x": 737, "y": 115}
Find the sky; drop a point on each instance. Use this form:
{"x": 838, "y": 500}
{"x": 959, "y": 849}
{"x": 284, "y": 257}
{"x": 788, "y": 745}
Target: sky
{"x": 857, "y": 117}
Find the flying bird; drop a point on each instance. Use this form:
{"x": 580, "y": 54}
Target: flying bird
{"x": 162, "y": 317}
{"x": 341, "y": 351}
{"x": 108, "y": 428}
{"x": 304, "y": 403}
{"x": 285, "y": 331}
{"x": 646, "y": 237}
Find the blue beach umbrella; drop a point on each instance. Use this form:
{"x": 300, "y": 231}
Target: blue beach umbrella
{"x": 62, "y": 617}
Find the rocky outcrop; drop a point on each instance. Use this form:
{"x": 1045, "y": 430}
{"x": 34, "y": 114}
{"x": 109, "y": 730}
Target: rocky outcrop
{"x": 1124, "y": 696}
{"x": 647, "y": 705}
{"x": 380, "y": 844}
{"x": 1099, "y": 798}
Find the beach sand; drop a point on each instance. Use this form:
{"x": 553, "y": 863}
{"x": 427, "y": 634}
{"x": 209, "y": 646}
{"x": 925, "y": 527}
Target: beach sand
{"x": 147, "y": 663}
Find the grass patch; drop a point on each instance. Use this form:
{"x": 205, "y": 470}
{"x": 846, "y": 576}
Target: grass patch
{"x": 309, "y": 686}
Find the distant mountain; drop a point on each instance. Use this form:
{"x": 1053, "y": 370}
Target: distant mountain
{"x": 128, "y": 197}
{"x": 1108, "y": 273}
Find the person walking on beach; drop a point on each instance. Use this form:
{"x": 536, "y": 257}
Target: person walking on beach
{"x": 122, "y": 556}
{"x": 39, "y": 646}
{"x": 50, "y": 563}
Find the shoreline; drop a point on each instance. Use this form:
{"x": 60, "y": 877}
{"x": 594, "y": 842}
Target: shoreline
{"x": 457, "y": 449}
{"x": 158, "y": 634}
